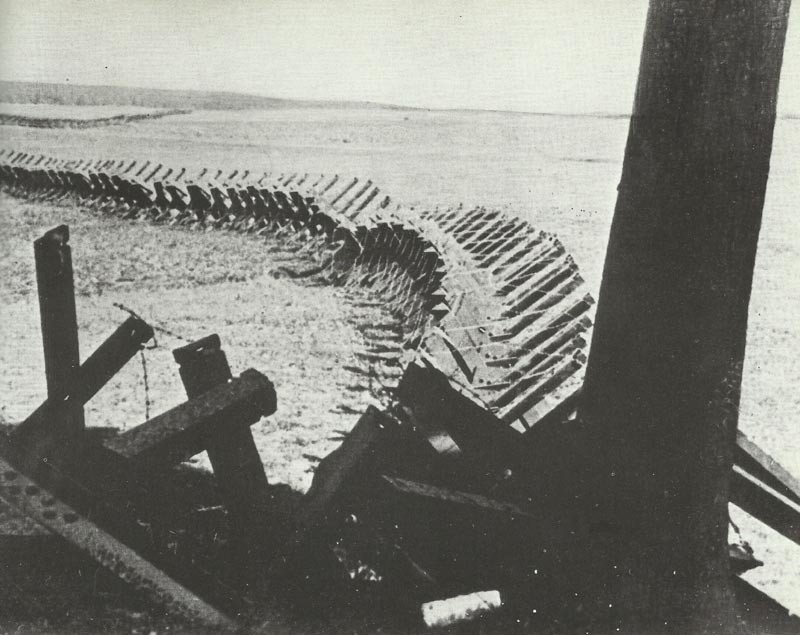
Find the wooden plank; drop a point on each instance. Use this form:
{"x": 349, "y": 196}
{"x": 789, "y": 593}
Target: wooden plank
{"x": 231, "y": 449}
{"x": 440, "y": 407}
{"x": 53, "y": 257}
{"x": 765, "y": 504}
{"x": 345, "y": 480}
{"x": 753, "y": 459}
{"x": 360, "y": 452}
{"x": 457, "y": 498}
{"x": 34, "y": 435}
{"x": 182, "y": 432}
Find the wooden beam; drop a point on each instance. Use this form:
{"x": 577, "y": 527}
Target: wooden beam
{"x": 231, "y": 449}
{"x": 43, "y": 429}
{"x": 34, "y": 501}
{"x": 182, "y": 432}
{"x": 53, "y": 258}
{"x": 442, "y": 410}
{"x": 349, "y": 475}
{"x": 664, "y": 372}
{"x": 751, "y": 458}
{"x": 766, "y": 504}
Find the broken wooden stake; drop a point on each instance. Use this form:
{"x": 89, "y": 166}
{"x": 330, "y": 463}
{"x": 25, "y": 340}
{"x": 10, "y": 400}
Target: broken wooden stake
{"x": 57, "y": 310}
{"x": 182, "y": 432}
{"x": 231, "y": 449}
{"x": 42, "y": 429}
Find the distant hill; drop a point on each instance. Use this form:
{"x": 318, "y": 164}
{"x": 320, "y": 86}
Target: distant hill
{"x": 15, "y": 92}
{"x": 82, "y": 95}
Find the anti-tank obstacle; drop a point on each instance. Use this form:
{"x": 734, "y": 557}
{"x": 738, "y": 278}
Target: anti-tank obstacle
{"x": 498, "y": 319}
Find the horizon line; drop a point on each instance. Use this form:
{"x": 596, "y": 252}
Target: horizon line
{"x": 344, "y": 102}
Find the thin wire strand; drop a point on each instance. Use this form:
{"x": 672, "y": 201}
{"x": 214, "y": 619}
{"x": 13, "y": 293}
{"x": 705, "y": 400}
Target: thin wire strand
{"x": 155, "y": 325}
{"x": 146, "y": 385}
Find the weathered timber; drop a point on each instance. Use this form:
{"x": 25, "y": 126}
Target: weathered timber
{"x": 329, "y": 532}
{"x": 231, "y": 449}
{"x": 442, "y": 411}
{"x": 754, "y": 460}
{"x": 664, "y": 371}
{"x": 361, "y": 447}
{"x": 376, "y": 443}
{"x": 766, "y": 504}
{"x": 56, "y": 290}
{"x": 40, "y": 430}
{"x": 182, "y": 432}
{"x": 36, "y": 502}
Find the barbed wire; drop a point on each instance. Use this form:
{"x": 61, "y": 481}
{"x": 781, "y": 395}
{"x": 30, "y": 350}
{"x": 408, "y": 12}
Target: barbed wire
{"x": 155, "y": 325}
{"x": 143, "y": 358}
{"x": 146, "y": 385}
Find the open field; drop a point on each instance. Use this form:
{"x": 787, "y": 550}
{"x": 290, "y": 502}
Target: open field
{"x": 559, "y": 172}
{"x": 193, "y": 284}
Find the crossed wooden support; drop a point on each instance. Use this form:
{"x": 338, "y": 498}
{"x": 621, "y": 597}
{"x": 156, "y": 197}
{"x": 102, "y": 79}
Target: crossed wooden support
{"x": 92, "y": 486}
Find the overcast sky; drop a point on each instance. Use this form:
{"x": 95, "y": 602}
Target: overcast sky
{"x": 534, "y": 55}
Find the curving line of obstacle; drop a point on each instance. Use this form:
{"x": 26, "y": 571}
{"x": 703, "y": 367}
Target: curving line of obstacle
{"x": 497, "y": 306}
{"x": 96, "y": 122}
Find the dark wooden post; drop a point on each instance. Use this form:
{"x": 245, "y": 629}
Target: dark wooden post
{"x": 664, "y": 372}
{"x": 43, "y": 431}
{"x": 57, "y": 309}
{"x": 232, "y": 451}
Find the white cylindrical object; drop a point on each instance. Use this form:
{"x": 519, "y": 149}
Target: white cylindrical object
{"x": 460, "y": 608}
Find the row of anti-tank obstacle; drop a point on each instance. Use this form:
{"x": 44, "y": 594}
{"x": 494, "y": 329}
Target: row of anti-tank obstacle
{"x": 496, "y": 305}
{"x": 7, "y": 119}
{"x": 497, "y": 309}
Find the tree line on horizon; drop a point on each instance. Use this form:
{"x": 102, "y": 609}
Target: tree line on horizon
{"x": 18, "y": 92}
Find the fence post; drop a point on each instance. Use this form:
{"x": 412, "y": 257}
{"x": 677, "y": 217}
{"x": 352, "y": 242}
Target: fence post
{"x": 53, "y": 258}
